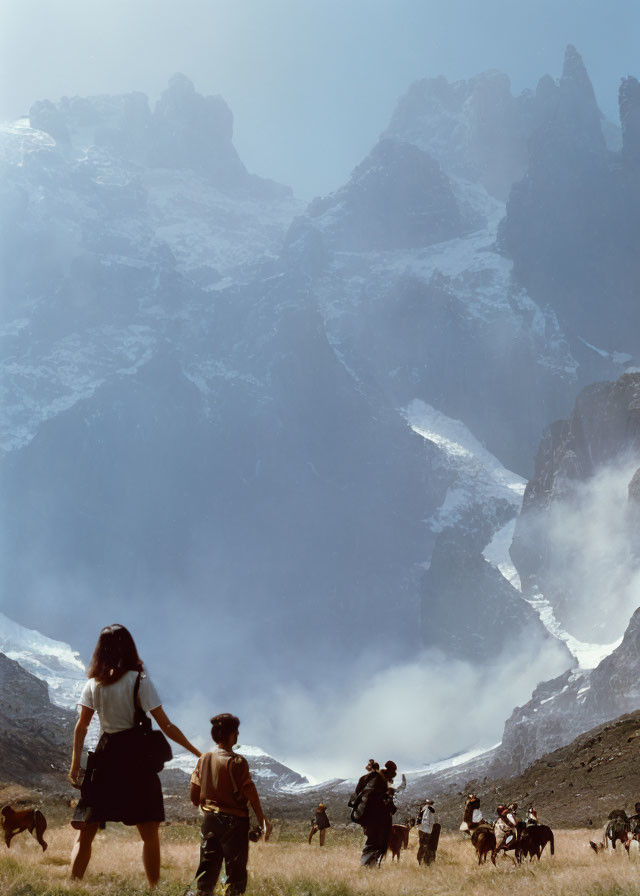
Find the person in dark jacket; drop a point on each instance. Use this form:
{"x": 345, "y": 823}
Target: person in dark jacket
{"x": 377, "y": 817}
{"x": 320, "y": 822}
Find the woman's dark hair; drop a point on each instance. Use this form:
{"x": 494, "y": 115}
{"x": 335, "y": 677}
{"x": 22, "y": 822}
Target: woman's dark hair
{"x": 223, "y": 725}
{"x": 114, "y": 654}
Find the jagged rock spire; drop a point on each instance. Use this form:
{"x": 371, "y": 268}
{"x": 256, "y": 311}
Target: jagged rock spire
{"x": 578, "y": 101}
{"x": 574, "y": 68}
{"x": 629, "y": 103}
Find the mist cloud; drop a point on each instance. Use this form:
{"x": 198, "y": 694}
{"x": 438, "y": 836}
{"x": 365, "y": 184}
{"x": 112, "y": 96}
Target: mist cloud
{"x": 591, "y": 571}
{"x": 415, "y": 713}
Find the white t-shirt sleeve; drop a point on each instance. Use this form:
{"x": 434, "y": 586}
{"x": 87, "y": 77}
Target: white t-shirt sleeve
{"x": 148, "y": 695}
{"x": 86, "y": 697}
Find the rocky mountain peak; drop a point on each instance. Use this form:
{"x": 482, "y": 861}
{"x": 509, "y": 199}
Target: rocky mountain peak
{"x": 629, "y": 104}
{"x": 475, "y": 128}
{"x": 185, "y": 130}
{"x": 397, "y": 198}
{"x": 195, "y": 131}
{"x": 574, "y": 69}
{"x": 578, "y": 101}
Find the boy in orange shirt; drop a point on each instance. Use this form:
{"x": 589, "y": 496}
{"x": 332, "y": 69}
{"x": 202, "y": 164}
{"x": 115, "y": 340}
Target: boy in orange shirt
{"x": 221, "y": 785}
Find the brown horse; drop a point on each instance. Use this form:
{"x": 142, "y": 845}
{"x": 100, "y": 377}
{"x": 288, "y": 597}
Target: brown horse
{"x": 484, "y": 843}
{"x": 533, "y": 840}
{"x": 398, "y": 840}
{"x": 15, "y": 821}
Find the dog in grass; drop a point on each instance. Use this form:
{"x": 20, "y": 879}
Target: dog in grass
{"x": 15, "y": 821}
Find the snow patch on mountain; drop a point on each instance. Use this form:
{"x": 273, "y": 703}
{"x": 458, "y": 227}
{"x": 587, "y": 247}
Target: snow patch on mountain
{"x": 480, "y": 478}
{"x": 68, "y": 371}
{"x": 54, "y": 662}
{"x": 497, "y": 553}
{"x": 136, "y": 228}
{"x": 450, "y": 762}
{"x": 208, "y": 228}
{"x": 587, "y": 655}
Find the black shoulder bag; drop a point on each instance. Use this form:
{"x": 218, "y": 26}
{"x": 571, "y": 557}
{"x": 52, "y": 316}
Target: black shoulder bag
{"x": 154, "y": 746}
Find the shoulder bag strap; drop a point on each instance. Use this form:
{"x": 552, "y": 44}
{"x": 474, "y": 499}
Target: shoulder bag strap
{"x": 140, "y": 718}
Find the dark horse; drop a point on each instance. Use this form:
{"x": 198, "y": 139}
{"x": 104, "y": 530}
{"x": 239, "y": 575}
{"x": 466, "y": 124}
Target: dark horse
{"x": 533, "y": 840}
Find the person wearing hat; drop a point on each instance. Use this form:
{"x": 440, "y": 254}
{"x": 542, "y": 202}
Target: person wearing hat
{"x": 532, "y": 816}
{"x": 320, "y": 822}
{"x": 428, "y": 833}
{"x": 505, "y": 829}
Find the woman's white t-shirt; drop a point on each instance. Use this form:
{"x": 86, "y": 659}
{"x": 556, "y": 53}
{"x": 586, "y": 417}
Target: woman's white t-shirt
{"x": 114, "y": 702}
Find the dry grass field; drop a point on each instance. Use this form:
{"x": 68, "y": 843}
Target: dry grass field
{"x": 289, "y": 867}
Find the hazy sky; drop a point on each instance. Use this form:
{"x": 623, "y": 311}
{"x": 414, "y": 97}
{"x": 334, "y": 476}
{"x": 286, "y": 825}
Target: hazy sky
{"x": 311, "y": 82}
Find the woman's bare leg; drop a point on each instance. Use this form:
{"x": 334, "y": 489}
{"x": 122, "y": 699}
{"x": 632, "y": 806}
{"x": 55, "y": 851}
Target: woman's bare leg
{"x": 149, "y": 831}
{"x": 81, "y": 852}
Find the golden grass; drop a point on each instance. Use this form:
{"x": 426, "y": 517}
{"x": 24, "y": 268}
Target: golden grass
{"x": 289, "y": 868}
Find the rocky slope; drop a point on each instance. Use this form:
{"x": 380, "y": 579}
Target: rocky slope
{"x": 53, "y": 662}
{"x": 578, "y": 784}
{"x": 35, "y": 735}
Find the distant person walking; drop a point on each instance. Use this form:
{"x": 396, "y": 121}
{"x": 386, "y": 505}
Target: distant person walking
{"x": 320, "y": 822}
{"x": 222, "y": 787}
{"x": 428, "y": 833}
{"x": 120, "y": 786}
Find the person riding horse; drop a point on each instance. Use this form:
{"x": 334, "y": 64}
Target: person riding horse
{"x": 634, "y": 821}
{"x": 505, "y": 828}
{"x": 616, "y": 828}
{"x": 532, "y": 817}
{"x": 472, "y": 814}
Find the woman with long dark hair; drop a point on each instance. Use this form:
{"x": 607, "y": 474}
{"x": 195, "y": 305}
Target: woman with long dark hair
{"x": 123, "y": 787}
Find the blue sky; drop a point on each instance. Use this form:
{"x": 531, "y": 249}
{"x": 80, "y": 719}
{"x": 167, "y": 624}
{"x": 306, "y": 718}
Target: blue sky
{"x": 311, "y": 82}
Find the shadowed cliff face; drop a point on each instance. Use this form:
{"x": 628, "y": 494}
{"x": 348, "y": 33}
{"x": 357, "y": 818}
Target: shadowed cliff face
{"x": 576, "y": 545}
{"x": 35, "y": 736}
{"x": 575, "y": 541}
{"x": 571, "y": 220}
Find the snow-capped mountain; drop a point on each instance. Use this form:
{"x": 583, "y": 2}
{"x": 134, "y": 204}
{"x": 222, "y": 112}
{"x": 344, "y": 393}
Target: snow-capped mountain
{"x": 218, "y": 406}
{"x": 270, "y": 775}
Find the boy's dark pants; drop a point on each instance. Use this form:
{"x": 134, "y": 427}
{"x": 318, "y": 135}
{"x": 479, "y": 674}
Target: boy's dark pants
{"x": 223, "y": 837}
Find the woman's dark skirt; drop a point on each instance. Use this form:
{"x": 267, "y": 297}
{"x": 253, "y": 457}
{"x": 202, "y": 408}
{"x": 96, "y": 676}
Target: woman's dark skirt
{"x": 118, "y": 784}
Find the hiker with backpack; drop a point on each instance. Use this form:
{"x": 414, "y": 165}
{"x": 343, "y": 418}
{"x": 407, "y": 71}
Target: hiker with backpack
{"x": 319, "y": 822}
{"x": 428, "y": 833}
{"x": 372, "y": 806}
